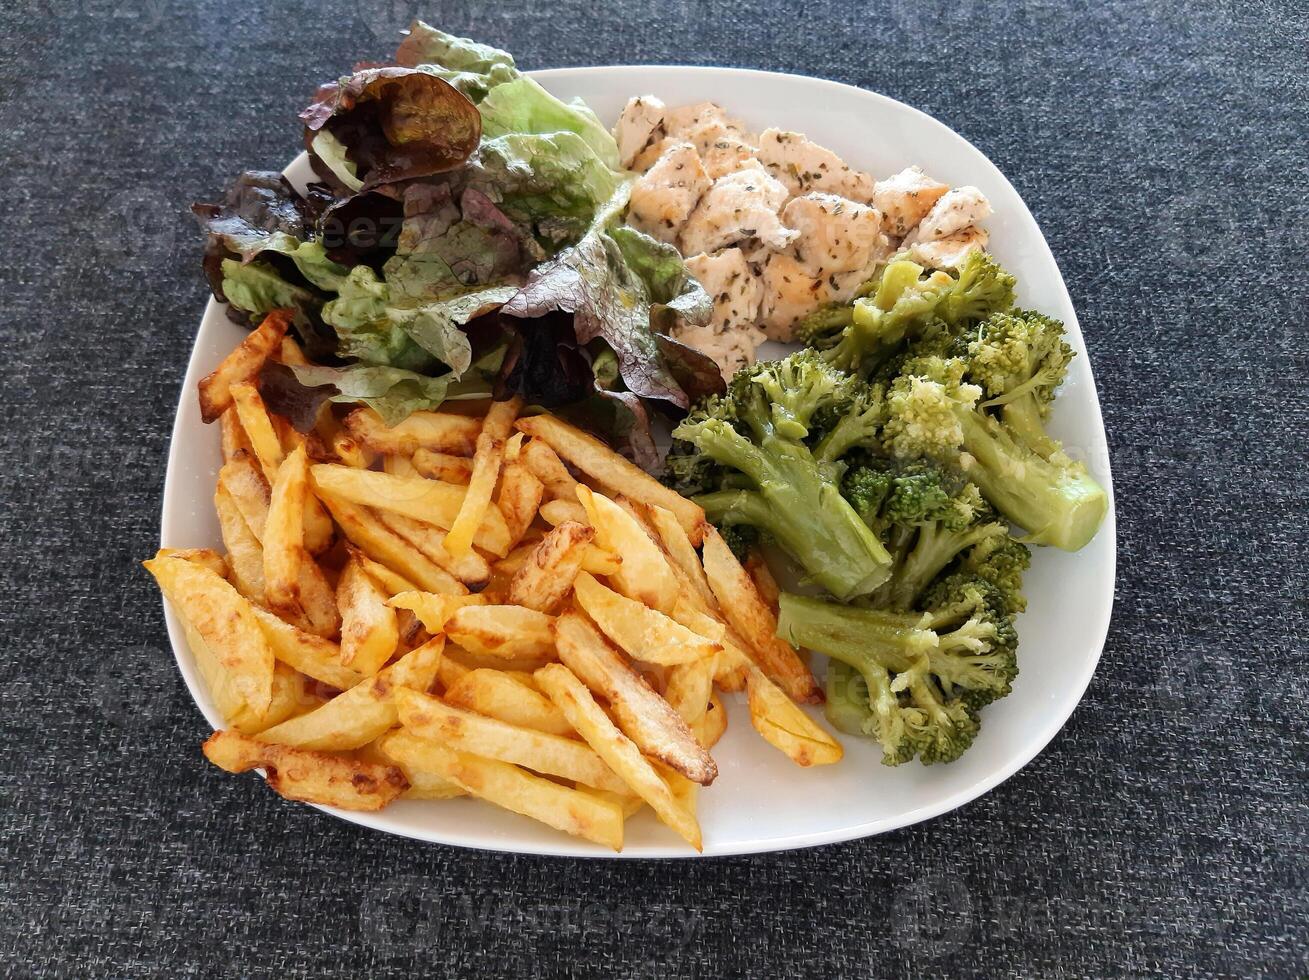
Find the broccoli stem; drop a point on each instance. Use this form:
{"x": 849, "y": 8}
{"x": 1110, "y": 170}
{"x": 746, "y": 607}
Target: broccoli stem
{"x": 1025, "y": 420}
{"x": 934, "y": 548}
{"x": 1056, "y": 501}
{"x": 865, "y": 639}
{"x": 848, "y": 703}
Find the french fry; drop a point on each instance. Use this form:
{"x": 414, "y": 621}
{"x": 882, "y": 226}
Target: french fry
{"x": 502, "y": 631}
{"x": 309, "y": 654}
{"x": 284, "y": 550}
{"x": 556, "y": 512}
{"x": 291, "y": 354}
{"x": 438, "y": 431}
{"x": 750, "y": 617}
{"x": 644, "y": 633}
{"x": 487, "y": 459}
{"x": 499, "y": 694}
{"x": 242, "y": 364}
{"x": 519, "y": 497}
{"x": 350, "y": 452}
{"x": 678, "y": 546}
{"x": 764, "y": 583}
{"x": 245, "y": 556}
{"x": 731, "y": 666}
{"x": 369, "y": 632}
{"x": 417, "y": 497}
{"x": 550, "y": 470}
{"x": 233, "y": 436}
{"x": 250, "y": 492}
{"x": 423, "y": 783}
{"x": 715, "y": 722}
{"x": 367, "y": 532}
{"x": 594, "y": 458}
{"x": 645, "y": 717}
{"x": 443, "y": 466}
{"x": 688, "y": 691}
{"x": 520, "y": 666}
{"x": 399, "y": 466}
{"x": 598, "y": 561}
{"x": 226, "y": 623}
{"x": 258, "y": 427}
{"x": 471, "y": 569}
{"x": 570, "y": 810}
{"x": 311, "y": 777}
{"x": 645, "y": 574}
{"x": 783, "y": 725}
{"x": 621, "y": 754}
{"x": 546, "y": 578}
{"x": 392, "y": 582}
{"x": 205, "y": 557}
{"x": 364, "y": 712}
{"x": 465, "y": 731}
{"x": 432, "y": 609}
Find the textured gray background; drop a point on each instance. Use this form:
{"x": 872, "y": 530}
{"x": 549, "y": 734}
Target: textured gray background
{"x": 1162, "y": 146}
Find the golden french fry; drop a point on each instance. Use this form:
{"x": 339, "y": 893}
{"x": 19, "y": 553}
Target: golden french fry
{"x": 399, "y": 466}
{"x": 764, "y": 583}
{"x": 645, "y": 717}
{"x": 291, "y": 353}
{"x": 556, "y": 512}
{"x": 367, "y": 532}
{"x": 782, "y": 724}
{"x": 570, "y": 810}
{"x": 550, "y": 470}
{"x": 678, "y": 546}
{"x": 471, "y": 569}
{"x": 364, "y": 712}
{"x": 502, "y": 631}
{"x": 465, "y": 731}
{"x": 423, "y": 783}
{"x": 311, "y": 777}
{"x": 519, "y": 497}
{"x": 392, "y": 582}
{"x": 620, "y": 753}
{"x": 309, "y": 654}
{"x": 503, "y": 695}
{"x": 206, "y": 557}
{"x": 598, "y": 561}
{"x": 284, "y": 550}
{"x": 732, "y": 663}
{"x": 242, "y": 364}
{"x": 714, "y": 724}
{"x": 350, "y": 452}
{"x": 487, "y": 459}
{"x": 520, "y": 666}
{"x": 645, "y": 574}
{"x": 433, "y": 609}
{"x": 594, "y": 458}
{"x": 437, "y": 431}
{"x": 644, "y": 633}
{"x": 223, "y": 619}
{"x": 547, "y": 576}
{"x": 417, "y": 497}
{"x": 258, "y": 426}
{"x": 233, "y": 436}
{"x": 369, "y": 632}
{"x": 443, "y": 466}
{"x": 250, "y": 492}
{"x": 688, "y": 691}
{"x": 245, "y": 556}
{"x": 750, "y": 616}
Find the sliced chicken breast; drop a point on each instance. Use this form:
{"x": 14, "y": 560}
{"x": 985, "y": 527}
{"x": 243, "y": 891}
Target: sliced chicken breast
{"x": 835, "y": 234}
{"x": 668, "y": 192}
{"x": 953, "y": 212}
{"x": 949, "y": 252}
{"x": 905, "y": 198}
{"x": 802, "y": 166}
{"x": 737, "y": 207}
{"x": 640, "y": 126}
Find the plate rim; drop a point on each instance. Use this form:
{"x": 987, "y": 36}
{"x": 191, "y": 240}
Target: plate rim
{"x": 569, "y": 847}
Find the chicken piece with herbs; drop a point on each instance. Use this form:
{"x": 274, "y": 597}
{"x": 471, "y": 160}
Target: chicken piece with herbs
{"x": 739, "y": 206}
{"x": 953, "y": 212}
{"x": 668, "y": 193}
{"x": 640, "y": 128}
{"x": 835, "y": 235}
{"x": 731, "y": 336}
{"x": 802, "y": 166}
{"x": 949, "y": 252}
{"x": 905, "y": 198}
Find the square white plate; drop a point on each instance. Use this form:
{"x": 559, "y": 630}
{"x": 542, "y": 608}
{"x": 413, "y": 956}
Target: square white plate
{"x": 761, "y": 801}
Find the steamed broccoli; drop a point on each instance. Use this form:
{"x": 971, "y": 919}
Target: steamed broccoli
{"x": 754, "y": 438}
{"x": 934, "y": 413}
{"x": 905, "y": 303}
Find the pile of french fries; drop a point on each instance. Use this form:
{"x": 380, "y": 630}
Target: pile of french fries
{"x": 478, "y": 604}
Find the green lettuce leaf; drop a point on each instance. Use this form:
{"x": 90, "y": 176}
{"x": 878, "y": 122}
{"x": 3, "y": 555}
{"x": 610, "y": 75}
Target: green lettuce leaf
{"x": 523, "y": 106}
{"x": 257, "y": 287}
{"x": 471, "y": 67}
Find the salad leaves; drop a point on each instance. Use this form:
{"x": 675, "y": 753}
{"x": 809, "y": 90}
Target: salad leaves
{"x": 457, "y": 191}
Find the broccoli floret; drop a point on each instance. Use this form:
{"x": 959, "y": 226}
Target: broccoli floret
{"x": 823, "y": 326}
{"x": 742, "y": 539}
{"x": 911, "y": 710}
{"x": 934, "y": 413}
{"x": 757, "y": 432}
{"x": 906, "y": 303}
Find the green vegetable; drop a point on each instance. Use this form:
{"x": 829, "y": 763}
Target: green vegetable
{"x": 523, "y": 106}
{"x": 771, "y": 478}
{"x": 471, "y": 67}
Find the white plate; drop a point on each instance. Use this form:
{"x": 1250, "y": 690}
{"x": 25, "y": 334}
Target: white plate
{"x": 761, "y": 801}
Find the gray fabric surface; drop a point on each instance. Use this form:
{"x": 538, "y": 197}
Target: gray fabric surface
{"x": 1161, "y": 145}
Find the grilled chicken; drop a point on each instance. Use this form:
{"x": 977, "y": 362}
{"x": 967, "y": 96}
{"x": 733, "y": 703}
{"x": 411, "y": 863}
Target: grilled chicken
{"x": 905, "y": 198}
{"x": 737, "y": 207}
{"x": 802, "y": 166}
{"x": 666, "y": 195}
